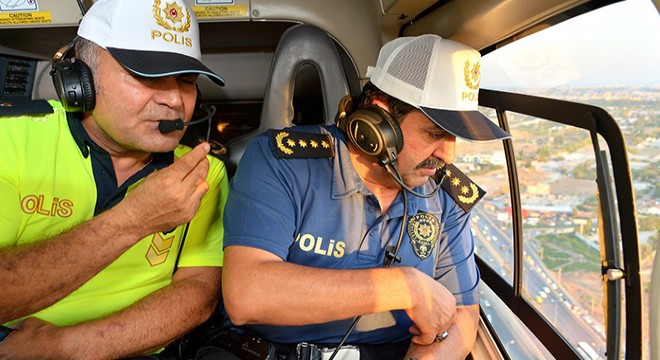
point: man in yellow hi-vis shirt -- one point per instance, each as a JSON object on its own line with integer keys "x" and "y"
{"x": 111, "y": 232}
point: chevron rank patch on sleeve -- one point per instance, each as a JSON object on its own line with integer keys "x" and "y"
{"x": 463, "y": 190}
{"x": 291, "y": 144}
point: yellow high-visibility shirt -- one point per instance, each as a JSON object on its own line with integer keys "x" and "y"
{"x": 48, "y": 184}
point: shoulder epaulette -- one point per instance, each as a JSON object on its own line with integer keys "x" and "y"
{"x": 25, "y": 107}
{"x": 296, "y": 145}
{"x": 218, "y": 150}
{"x": 463, "y": 190}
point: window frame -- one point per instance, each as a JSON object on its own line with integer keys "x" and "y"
{"x": 615, "y": 207}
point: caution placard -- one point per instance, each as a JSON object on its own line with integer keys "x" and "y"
{"x": 20, "y": 18}
{"x": 228, "y": 11}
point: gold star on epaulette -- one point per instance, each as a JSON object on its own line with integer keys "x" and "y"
{"x": 467, "y": 195}
{"x": 292, "y": 144}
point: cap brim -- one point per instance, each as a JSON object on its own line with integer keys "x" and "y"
{"x": 160, "y": 63}
{"x": 467, "y": 125}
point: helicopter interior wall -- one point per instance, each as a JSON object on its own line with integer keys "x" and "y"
{"x": 242, "y": 50}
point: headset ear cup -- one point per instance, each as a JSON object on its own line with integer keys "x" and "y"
{"x": 74, "y": 85}
{"x": 87, "y": 84}
{"x": 56, "y": 71}
{"x": 344, "y": 109}
{"x": 393, "y": 124}
{"x": 375, "y": 132}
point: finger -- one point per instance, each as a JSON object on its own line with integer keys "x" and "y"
{"x": 191, "y": 160}
{"x": 423, "y": 339}
{"x": 420, "y": 338}
{"x": 197, "y": 175}
{"x": 198, "y": 172}
{"x": 201, "y": 188}
{"x": 413, "y": 329}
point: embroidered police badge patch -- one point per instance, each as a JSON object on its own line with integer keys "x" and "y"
{"x": 423, "y": 230}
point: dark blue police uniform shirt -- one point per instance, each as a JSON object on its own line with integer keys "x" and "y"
{"x": 318, "y": 212}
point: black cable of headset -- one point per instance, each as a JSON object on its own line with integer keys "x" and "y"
{"x": 391, "y": 258}
{"x": 397, "y": 178}
{"x": 211, "y": 112}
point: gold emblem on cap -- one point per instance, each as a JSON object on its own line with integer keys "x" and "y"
{"x": 174, "y": 13}
{"x": 471, "y": 75}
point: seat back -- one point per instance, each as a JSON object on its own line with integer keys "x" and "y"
{"x": 300, "y": 45}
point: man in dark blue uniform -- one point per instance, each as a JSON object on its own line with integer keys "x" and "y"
{"x": 318, "y": 230}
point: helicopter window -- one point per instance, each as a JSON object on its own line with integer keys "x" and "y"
{"x": 562, "y": 168}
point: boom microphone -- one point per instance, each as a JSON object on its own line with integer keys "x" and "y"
{"x": 168, "y": 126}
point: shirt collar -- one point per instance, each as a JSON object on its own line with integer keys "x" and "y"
{"x": 74, "y": 120}
{"x": 346, "y": 180}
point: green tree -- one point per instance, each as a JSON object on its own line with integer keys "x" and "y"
{"x": 585, "y": 170}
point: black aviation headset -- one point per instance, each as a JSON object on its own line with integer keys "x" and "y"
{"x": 375, "y": 132}
{"x": 371, "y": 129}
{"x": 73, "y": 80}
{"x": 74, "y": 85}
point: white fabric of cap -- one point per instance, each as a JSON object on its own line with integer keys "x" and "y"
{"x": 121, "y": 24}
{"x": 429, "y": 71}
{"x": 441, "y": 78}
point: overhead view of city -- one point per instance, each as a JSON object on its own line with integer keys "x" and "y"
{"x": 559, "y": 200}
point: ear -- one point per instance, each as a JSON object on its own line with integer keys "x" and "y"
{"x": 381, "y": 104}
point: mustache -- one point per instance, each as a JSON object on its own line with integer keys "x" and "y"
{"x": 431, "y": 163}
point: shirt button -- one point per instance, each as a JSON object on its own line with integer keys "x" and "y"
{"x": 371, "y": 233}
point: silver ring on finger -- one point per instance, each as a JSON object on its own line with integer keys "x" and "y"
{"x": 443, "y": 335}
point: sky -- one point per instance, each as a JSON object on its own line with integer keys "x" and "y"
{"x": 615, "y": 45}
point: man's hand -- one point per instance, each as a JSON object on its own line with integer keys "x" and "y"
{"x": 433, "y": 310}
{"x": 33, "y": 339}
{"x": 458, "y": 344}
{"x": 171, "y": 196}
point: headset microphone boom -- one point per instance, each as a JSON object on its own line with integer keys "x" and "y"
{"x": 168, "y": 126}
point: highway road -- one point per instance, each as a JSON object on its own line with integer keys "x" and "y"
{"x": 540, "y": 288}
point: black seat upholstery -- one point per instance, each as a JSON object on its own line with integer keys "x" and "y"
{"x": 300, "y": 45}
